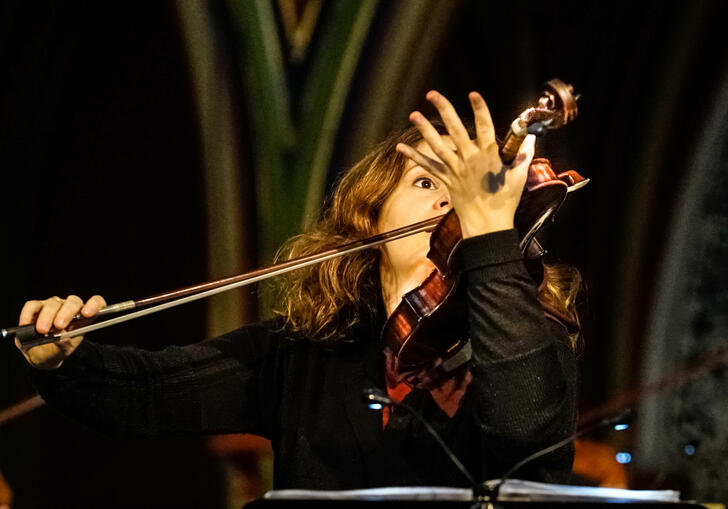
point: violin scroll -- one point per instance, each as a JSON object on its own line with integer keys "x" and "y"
{"x": 559, "y": 97}
{"x": 555, "y": 108}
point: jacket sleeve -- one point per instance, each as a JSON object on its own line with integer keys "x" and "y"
{"x": 228, "y": 384}
{"x": 524, "y": 373}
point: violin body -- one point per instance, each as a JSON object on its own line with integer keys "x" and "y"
{"x": 421, "y": 327}
{"x": 543, "y": 194}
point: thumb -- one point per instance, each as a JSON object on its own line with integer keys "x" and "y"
{"x": 519, "y": 168}
{"x": 525, "y": 152}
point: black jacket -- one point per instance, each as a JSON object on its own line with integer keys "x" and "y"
{"x": 307, "y": 399}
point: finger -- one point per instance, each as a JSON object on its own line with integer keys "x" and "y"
{"x": 434, "y": 140}
{"x": 483, "y": 122}
{"x": 47, "y": 314}
{"x": 435, "y": 167}
{"x": 29, "y": 312}
{"x": 67, "y": 311}
{"x": 93, "y": 305}
{"x": 452, "y": 121}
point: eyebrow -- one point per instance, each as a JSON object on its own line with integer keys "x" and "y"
{"x": 415, "y": 166}
{"x": 418, "y": 167}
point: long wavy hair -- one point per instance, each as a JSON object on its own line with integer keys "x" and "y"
{"x": 323, "y": 301}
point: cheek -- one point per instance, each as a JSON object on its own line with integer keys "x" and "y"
{"x": 386, "y": 215}
{"x": 408, "y": 249}
{"x": 395, "y": 214}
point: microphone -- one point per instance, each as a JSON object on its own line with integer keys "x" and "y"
{"x": 376, "y": 399}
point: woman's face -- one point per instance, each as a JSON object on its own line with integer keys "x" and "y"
{"x": 417, "y": 196}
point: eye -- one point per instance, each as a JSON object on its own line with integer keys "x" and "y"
{"x": 425, "y": 183}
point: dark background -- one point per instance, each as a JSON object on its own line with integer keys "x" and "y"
{"x": 101, "y": 178}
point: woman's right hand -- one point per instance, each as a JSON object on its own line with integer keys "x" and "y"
{"x": 57, "y": 313}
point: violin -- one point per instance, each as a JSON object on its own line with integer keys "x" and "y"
{"x": 543, "y": 194}
{"x": 428, "y": 323}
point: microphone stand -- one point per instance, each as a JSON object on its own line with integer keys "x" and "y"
{"x": 484, "y": 496}
{"x": 620, "y": 417}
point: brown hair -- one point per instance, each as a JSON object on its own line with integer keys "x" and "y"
{"x": 322, "y": 301}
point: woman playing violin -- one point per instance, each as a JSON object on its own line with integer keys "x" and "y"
{"x": 298, "y": 380}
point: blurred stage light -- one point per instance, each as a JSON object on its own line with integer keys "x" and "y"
{"x": 624, "y": 457}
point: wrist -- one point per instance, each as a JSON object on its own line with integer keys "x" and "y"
{"x": 39, "y": 358}
{"x": 47, "y": 364}
{"x": 482, "y": 224}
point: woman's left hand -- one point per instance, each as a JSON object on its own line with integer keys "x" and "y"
{"x": 484, "y": 192}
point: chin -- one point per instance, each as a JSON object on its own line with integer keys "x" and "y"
{"x": 424, "y": 267}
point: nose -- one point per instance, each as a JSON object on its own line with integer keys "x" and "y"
{"x": 443, "y": 201}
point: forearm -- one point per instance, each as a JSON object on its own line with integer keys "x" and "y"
{"x": 523, "y": 367}
{"x": 504, "y": 314}
{"x": 180, "y": 390}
